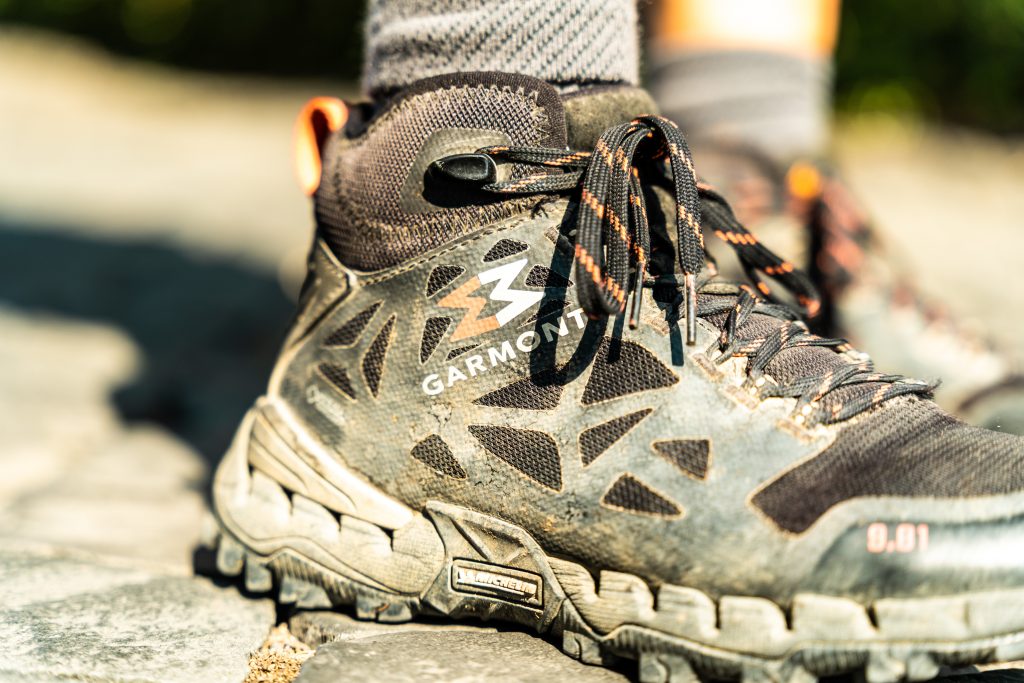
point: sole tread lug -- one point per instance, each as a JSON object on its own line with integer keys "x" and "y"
{"x": 288, "y": 590}
{"x": 799, "y": 674}
{"x": 660, "y": 667}
{"x": 582, "y": 647}
{"x": 314, "y": 597}
{"x": 258, "y": 577}
{"x": 921, "y": 667}
{"x": 230, "y": 556}
{"x": 1010, "y": 652}
{"x": 396, "y": 613}
{"x": 384, "y": 609}
{"x": 884, "y": 667}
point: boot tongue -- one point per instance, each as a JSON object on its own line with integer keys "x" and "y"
{"x": 591, "y": 111}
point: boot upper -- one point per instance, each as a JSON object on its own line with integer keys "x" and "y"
{"x": 440, "y": 353}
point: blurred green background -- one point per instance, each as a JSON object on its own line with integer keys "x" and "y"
{"x": 957, "y": 61}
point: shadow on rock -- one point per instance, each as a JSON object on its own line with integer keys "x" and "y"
{"x": 208, "y": 327}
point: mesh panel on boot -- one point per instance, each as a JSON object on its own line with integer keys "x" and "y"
{"x": 503, "y": 249}
{"x": 373, "y": 361}
{"x": 442, "y": 276}
{"x": 793, "y": 363}
{"x": 535, "y": 454}
{"x": 598, "y": 439}
{"x": 692, "y": 456}
{"x": 539, "y": 276}
{"x": 338, "y": 376}
{"x": 629, "y": 494}
{"x": 435, "y": 453}
{"x": 624, "y": 367}
{"x": 359, "y": 204}
{"x": 455, "y": 353}
{"x": 910, "y": 448}
{"x": 433, "y": 330}
{"x": 349, "y": 332}
{"x": 541, "y": 391}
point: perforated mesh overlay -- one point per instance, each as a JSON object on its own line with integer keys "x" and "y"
{"x": 338, "y": 376}
{"x": 630, "y": 494}
{"x": 435, "y": 453}
{"x": 373, "y": 361}
{"x": 503, "y": 249}
{"x": 909, "y": 448}
{"x": 596, "y": 440}
{"x": 433, "y": 330}
{"x": 541, "y": 276}
{"x": 441, "y": 276}
{"x": 537, "y": 392}
{"x": 624, "y": 367}
{"x": 455, "y": 353}
{"x": 535, "y": 454}
{"x": 692, "y": 456}
{"x": 349, "y": 332}
{"x": 359, "y": 205}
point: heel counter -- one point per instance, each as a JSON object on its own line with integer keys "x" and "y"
{"x": 327, "y": 284}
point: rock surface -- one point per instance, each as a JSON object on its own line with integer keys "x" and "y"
{"x": 414, "y": 652}
{"x": 74, "y": 473}
{"x": 65, "y": 615}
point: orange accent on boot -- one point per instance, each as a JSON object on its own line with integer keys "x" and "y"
{"x": 803, "y": 181}
{"x": 320, "y": 117}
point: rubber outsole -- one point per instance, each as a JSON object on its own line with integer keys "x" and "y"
{"x": 455, "y": 562}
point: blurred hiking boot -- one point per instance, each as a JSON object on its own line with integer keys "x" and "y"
{"x": 868, "y": 295}
{"x": 513, "y": 391}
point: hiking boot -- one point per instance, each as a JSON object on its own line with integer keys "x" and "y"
{"x": 868, "y": 296}
{"x": 514, "y": 391}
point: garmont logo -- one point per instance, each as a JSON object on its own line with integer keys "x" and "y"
{"x": 518, "y": 300}
{"x": 503, "y": 352}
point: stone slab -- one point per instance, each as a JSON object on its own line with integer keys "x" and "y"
{"x": 350, "y": 649}
{"x": 465, "y": 656}
{"x": 70, "y": 616}
{"x": 75, "y": 473}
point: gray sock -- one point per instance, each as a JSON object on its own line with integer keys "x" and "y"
{"x": 564, "y": 42}
{"x": 777, "y": 103}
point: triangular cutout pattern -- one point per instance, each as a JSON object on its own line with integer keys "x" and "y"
{"x": 349, "y": 332}
{"x": 692, "y": 456}
{"x": 597, "y": 440}
{"x": 630, "y": 494}
{"x": 503, "y": 249}
{"x": 537, "y": 392}
{"x": 373, "y": 361}
{"x": 535, "y": 454}
{"x": 433, "y": 330}
{"x": 435, "y": 453}
{"x": 442, "y": 276}
{"x": 622, "y": 368}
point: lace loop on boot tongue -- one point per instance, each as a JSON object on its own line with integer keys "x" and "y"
{"x": 613, "y": 244}
{"x": 613, "y": 232}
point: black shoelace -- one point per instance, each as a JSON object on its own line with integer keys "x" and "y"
{"x": 612, "y": 255}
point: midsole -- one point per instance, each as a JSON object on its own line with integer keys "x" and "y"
{"x": 463, "y": 562}
{"x": 280, "y": 447}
